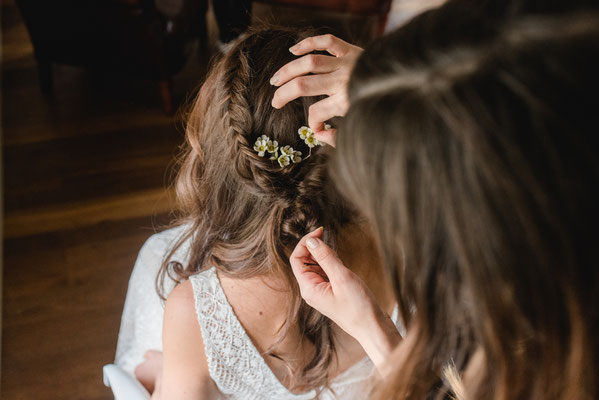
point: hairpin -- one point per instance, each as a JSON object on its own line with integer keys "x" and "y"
{"x": 288, "y": 155}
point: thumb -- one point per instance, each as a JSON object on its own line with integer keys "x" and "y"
{"x": 325, "y": 257}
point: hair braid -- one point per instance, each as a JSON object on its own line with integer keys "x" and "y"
{"x": 298, "y": 206}
{"x": 246, "y": 212}
{"x": 250, "y": 167}
{"x": 304, "y": 214}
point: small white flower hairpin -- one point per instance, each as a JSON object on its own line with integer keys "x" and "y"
{"x": 260, "y": 145}
{"x": 288, "y": 155}
{"x": 307, "y": 135}
{"x": 273, "y": 148}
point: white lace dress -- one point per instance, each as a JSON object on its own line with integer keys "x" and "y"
{"x": 235, "y": 365}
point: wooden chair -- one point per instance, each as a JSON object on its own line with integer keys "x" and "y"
{"x": 130, "y": 36}
{"x": 380, "y": 8}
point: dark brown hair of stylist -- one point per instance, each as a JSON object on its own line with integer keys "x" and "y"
{"x": 474, "y": 151}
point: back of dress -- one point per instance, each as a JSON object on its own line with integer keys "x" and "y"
{"x": 236, "y": 365}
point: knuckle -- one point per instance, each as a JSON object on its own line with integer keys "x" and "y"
{"x": 343, "y": 278}
{"x": 311, "y": 61}
{"x": 301, "y": 84}
{"x": 343, "y": 102}
{"x": 344, "y": 73}
{"x": 316, "y": 117}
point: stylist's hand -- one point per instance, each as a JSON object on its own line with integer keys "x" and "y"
{"x": 328, "y": 76}
{"x": 328, "y": 286}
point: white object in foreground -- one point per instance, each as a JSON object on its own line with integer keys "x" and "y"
{"x": 123, "y": 385}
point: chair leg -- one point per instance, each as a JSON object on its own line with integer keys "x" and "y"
{"x": 166, "y": 93}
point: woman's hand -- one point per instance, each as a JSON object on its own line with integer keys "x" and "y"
{"x": 328, "y": 286}
{"x": 335, "y": 291}
{"x": 149, "y": 372}
{"x": 328, "y": 76}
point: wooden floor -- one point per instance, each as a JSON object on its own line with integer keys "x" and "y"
{"x": 85, "y": 178}
{"x": 84, "y": 186}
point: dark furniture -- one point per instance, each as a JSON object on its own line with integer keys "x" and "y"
{"x": 129, "y": 36}
{"x": 380, "y": 8}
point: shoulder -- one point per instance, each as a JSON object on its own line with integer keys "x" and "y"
{"x": 180, "y": 326}
{"x": 180, "y": 305}
{"x": 185, "y": 365}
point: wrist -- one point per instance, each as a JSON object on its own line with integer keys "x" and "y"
{"x": 378, "y": 337}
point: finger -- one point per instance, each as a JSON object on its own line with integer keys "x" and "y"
{"x": 325, "y": 257}
{"x": 323, "y": 110}
{"x": 311, "y": 63}
{"x": 327, "y": 136}
{"x": 315, "y": 268}
{"x": 301, "y": 256}
{"x": 329, "y": 43}
{"x": 310, "y": 85}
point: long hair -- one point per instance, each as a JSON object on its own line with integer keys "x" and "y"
{"x": 245, "y": 213}
{"x": 473, "y": 148}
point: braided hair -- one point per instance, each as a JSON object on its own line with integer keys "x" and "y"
{"x": 245, "y": 213}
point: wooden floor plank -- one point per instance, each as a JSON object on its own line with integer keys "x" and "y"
{"x": 85, "y": 178}
{"x": 74, "y": 215}
{"x": 62, "y": 308}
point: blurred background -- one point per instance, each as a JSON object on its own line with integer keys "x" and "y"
{"x": 93, "y": 101}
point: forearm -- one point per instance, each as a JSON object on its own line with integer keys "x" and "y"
{"x": 378, "y": 337}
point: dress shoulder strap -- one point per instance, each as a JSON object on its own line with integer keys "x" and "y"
{"x": 235, "y": 365}
{"x": 222, "y": 341}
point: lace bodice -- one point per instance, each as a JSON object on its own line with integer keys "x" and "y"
{"x": 235, "y": 364}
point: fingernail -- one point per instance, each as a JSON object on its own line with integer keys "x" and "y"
{"x": 294, "y": 48}
{"x": 275, "y": 79}
{"x": 312, "y": 243}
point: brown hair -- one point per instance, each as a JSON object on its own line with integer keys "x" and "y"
{"x": 245, "y": 213}
{"x": 473, "y": 148}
